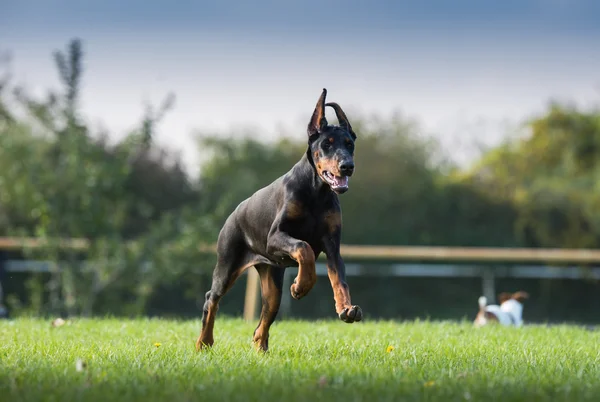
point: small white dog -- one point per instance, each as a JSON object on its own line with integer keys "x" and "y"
{"x": 508, "y": 313}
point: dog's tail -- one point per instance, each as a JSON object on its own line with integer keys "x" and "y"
{"x": 482, "y": 303}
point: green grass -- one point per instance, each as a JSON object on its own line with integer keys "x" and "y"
{"x": 308, "y": 361}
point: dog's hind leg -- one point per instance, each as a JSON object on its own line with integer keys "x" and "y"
{"x": 271, "y": 285}
{"x": 233, "y": 259}
{"x": 223, "y": 279}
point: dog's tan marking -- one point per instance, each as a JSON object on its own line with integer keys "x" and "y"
{"x": 293, "y": 209}
{"x": 271, "y": 299}
{"x": 307, "y": 275}
{"x": 333, "y": 220}
{"x": 206, "y": 337}
{"x": 328, "y": 164}
{"x": 504, "y": 296}
{"x": 341, "y": 293}
{"x": 520, "y": 296}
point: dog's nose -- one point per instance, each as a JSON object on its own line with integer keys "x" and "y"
{"x": 347, "y": 168}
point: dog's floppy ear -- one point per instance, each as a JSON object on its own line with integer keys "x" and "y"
{"x": 504, "y": 296}
{"x": 342, "y": 119}
{"x": 318, "y": 122}
{"x": 520, "y": 296}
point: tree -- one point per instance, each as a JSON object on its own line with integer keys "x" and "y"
{"x": 62, "y": 181}
{"x": 551, "y": 175}
{"x": 400, "y": 194}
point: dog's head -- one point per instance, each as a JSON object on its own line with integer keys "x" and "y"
{"x": 519, "y": 296}
{"x": 331, "y": 148}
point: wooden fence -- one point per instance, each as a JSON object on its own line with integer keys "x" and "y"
{"x": 486, "y": 258}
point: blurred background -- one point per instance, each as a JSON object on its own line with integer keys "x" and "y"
{"x": 137, "y": 127}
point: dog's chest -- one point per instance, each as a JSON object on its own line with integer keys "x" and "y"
{"x": 308, "y": 227}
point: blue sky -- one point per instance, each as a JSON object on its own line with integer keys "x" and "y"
{"x": 462, "y": 68}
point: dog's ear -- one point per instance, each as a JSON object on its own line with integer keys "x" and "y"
{"x": 342, "y": 119}
{"x": 318, "y": 122}
{"x": 504, "y": 296}
{"x": 520, "y": 296}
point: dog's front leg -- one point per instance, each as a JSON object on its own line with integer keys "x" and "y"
{"x": 341, "y": 292}
{"x": 280, "y": 244}
{"x": 336, "y": 270}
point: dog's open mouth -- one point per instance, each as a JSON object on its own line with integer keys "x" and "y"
{"x": 337, "y": 183}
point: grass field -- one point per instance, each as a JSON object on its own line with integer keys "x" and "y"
{"x": 151, "y": 360}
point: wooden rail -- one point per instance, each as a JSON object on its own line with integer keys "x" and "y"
{"x": 396, "y": 253}
{"x": 388, "y": 253}
{"x": 467, "y": 254}
{"x": 18, "y": 243}
{"x": 445, "y": 254}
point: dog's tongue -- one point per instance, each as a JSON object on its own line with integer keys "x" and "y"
{"x": 341, "y": 181}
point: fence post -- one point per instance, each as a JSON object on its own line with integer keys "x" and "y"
{"x": 252, "y": 294}
{"x": 488, "y": 282}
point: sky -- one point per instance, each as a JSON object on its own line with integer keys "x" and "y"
{"x": 467, "y": 71}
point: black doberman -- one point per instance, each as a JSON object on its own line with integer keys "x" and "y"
{"x": 288, "y": 224}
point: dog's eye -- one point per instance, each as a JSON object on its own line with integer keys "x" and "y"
{"x": 326, "y": 146}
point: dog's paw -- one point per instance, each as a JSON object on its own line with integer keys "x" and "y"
{"x": 296, "y": 291}
{"x": 204, "y": 344}
{"x": 351, "y": 314}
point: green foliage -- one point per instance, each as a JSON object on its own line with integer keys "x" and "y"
{"x": 145, "y": 219}
{"x": 155, "y": 360}
{"x": 60, "y": 181}
{"x": 551, "y": 177}
{"x": 399, "y": 194}
{"x": 237, "y": 168}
